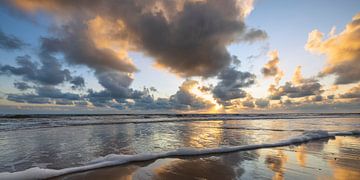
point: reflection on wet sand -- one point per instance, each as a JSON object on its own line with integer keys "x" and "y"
{"x": 276, "y": 163}
{"x": 202, "y": 168}
{"x": 346, "y": 162}
{"x": 324, "y": 159}
{"x": 301, "y": 155}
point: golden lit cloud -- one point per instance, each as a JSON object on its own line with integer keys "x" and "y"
{"x": 297, "y": 77}
{"x": 271, "y": 67}
{"x": 342, "y": 51}
{"x": 246, "y": 7}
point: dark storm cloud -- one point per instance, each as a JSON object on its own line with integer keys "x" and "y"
{"x": 105, "y": 98}
{"x": 77, "y": 82}
{"x": 28, "y": 98}
{"x": 117, "y": 93}
{"x": 148, "y": 103}
{"x": 183, "y": 99}
{"x": 298, "y": 87}
{"x": 248, "y": 103}
{"x": 262, "y": 103}
{"x": 10, "y": 42}
{"x": 117, "y": 83}
{"x": 317, "y": 98}
{"x": 99, "y": 99}
{"x": 187, "y": 37}
{"x": 253, "y": 35}
{"x": 22, "y": 86}
{"x": 44, "y": 95}
{"x": 52, "y": 92}
{"x": 331, "y": 97}
{"x": 231, "y": 82}
{"x": 287, "y": 102}
{"x": 296, "y": 91}
{"x": 64, "y": 102}
{"x": 194, "y": 43}
{"x": 49, "y": 73}
{"x": 78, "y": 49}
{"x": 153, "y": 89}
{"x": 117, "y": 89}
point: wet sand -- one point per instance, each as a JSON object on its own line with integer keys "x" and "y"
{"x": 337, "y": 158}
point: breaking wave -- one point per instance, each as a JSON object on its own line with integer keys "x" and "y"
{"x": 23, "y": 122}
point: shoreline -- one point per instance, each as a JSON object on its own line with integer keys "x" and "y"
{"x": 318, "y": 159}
{"x": 114, "y": 160}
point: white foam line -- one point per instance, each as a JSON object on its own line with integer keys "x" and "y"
{"x": 112, "y": 159}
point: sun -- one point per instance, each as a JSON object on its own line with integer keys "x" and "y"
{"x": 207, "y": 96}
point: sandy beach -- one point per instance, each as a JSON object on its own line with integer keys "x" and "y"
{"x": 277, "y": 146}
{"x": 337, "y": 158}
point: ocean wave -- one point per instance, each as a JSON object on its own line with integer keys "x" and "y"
{"x": 113, "y": 159}
{"x": 24, "y": 122}
{"x": 258, "y": 129}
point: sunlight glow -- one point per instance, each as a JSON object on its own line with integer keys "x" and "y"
{"x": 206, "y": 96}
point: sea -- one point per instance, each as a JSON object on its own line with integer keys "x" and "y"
{"x": 46, "y": 145}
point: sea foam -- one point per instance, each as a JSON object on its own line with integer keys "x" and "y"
{"x": 113, "y": 159}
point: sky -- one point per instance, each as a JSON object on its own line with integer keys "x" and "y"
{"x": 184, "y": 56}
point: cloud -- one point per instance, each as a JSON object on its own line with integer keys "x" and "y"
{"x": 230, "y": 84}
{"x": 49, "y": 73}
{"x": 248, "y": 103}
{"x": 342, "y": 51}
{"x": 297, "y": 88}
{"x": 262, "y": 103}
{"x": 99, "y": 99}
{"x": 78, "y": 48}
{"x": 297, "y": 77}
{"x": 52, "y": 92}
{"x": 319, "y": 106}
{"x": 330, "y": 97}
{"x": 295, "y": 91}
{"x": 28, "y": 98}
{"x": 119, "y": 100}
{"x": 187, "y": 37}
{"x": 44, "y": 95}
{"x": 117, "y": 83}
{"x": 262, "y": 51}
{"x": 246, "y": 7}
{"x": 10, "y": 42}
{"x": 352, "y": 93}
{"x": 271, "y": 67}
{"x": 153, "y": 89}
{"x": 185, "y": 99}
{"x": 77, "y": 82}
{"x": 317, "y": 98}
{"x": 252, "y": 35}
{"x": 22, "y": 86}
